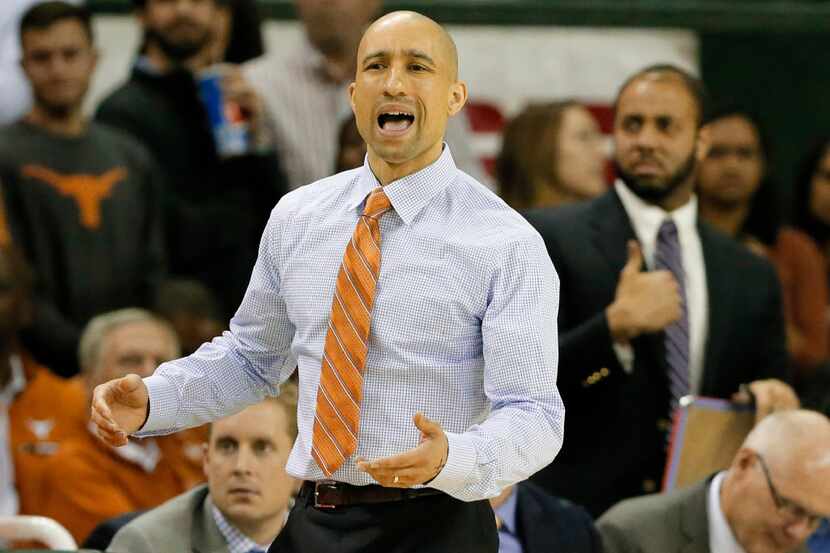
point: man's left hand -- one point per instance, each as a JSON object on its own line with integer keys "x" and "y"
{"x": 416, "y": 466}
{"x": 770, "y": 395}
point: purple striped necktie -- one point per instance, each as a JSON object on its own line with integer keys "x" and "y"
{"x": 669, "y": 257}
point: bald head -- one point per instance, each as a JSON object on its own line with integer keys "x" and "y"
{"x": 443, "y": 44}
{"x": 793, "y": 436}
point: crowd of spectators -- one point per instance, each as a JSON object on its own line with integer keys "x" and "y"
{"x": 127, "y": 239}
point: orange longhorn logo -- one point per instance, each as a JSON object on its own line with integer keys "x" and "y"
{"x": 86, "y": 190}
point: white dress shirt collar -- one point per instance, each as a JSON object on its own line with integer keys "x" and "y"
{"x": 721, "y": 538}
{"x": 646, "y": 219}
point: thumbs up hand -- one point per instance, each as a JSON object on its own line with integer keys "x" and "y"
{"x": 645, "y": 302}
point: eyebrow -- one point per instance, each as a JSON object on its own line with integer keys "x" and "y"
{"x": 412, "y": 53}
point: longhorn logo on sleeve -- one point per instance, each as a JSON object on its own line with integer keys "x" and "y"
{"x": 86, "y": 190}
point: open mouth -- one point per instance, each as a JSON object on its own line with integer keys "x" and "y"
{"x": 395, "y": 122}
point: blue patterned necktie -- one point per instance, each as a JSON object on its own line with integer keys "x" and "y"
{"x": 669, "y": 257}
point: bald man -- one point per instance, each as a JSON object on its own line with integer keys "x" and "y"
{"x": 774, "y": 495}
{"x": 420, "y": 311}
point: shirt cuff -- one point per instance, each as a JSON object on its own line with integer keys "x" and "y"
{"x": 164, "y": 407}
{"x": 461, "y": 460}
{"x": 625, "y": 355}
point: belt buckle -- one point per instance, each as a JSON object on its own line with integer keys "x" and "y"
{"x": 324, "y": 486}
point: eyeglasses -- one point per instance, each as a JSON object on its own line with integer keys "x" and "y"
{"x": 788, "y": 508}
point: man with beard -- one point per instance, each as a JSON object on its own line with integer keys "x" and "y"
{"x": 215, "y": 205}
{"x": 79, "y": 196}
{"x": 657, "y": 305}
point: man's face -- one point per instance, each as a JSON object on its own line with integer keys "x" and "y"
{"x": 655, "y": 136}
{"x": 732, "y": 171}
{"x": 405, "y": 90}
{"x": 757, "y": 522}
{"x": 245, "y": 465}
{"x": 58, "y": 61}
{"x": 180, "y": 28}
{"x": 137, "y": 348}
{"x": 332, "y": 25}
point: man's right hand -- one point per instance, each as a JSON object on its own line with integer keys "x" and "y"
{"x": 645, "y": 302}
{"x": 119, "y": 408}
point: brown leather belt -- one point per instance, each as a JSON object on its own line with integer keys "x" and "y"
{"x": 329, "y": 494}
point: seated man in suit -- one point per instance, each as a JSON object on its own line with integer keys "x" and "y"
{"x": 245, "y": 503}
{"x": 87, "y": 481}
{"x": 705, "y": 318}
{"x": 531, "y": 521}
{"x": 774, "y": 495}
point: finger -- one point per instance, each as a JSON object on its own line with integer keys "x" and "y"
{"x": 764, "y": 404}
{"x": 635, "y": 258}
{"x": 129, "y": 384}
{"x": 429, "y": 428}
{"x": 115, "y": 439}
{"x": 400, "y": 461}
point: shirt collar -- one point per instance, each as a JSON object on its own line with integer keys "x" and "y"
{"x": 646, "y": 218}
{"x": 507, "y": 513}
{"x": 16, "y": 383}
{"x": 144, "y": 453}
{"x": 236, "y": 540}
{"x": 410, "y": 194}
{"x": 721, "y": 538}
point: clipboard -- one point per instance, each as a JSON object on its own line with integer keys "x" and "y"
{"x": 706, "y": 433}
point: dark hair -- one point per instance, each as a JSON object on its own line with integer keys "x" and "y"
{"x": 766, "y": 215}
{"x": 177, "y": 296}
{"x": 529, "y": 152}
{"x": 42, "y": 16}
{"x": 245, "y": 35}
{"x": 692, "y": 84}
{"x": 804, "y": 218}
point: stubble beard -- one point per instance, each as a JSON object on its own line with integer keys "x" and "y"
{"x": 655, "y": 191}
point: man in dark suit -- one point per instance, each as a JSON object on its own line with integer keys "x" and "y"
{"x": 655, "y": 305}
{"x": 532, "y": 521}
{"x": 771, "y": 499}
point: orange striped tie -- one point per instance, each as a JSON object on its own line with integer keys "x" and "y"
{"x": 337, "y": 418}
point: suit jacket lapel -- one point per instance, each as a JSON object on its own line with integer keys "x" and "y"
{"x": 695, "y": 519}
{"x": 719, "y": 284}
{"x": 205, "y": 536}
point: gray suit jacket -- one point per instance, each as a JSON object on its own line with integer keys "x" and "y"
{"x": 183, "y": 524}
{"x": 675, "y": 522}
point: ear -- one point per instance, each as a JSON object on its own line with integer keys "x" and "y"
{"x": 458, "y": 97}
{"x": 205, "y": 459}
{"x": 351, "y": 97}
{"x": 704, "y": 142}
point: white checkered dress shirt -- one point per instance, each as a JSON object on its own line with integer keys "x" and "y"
{"x": 463, "y": 329}
{"x": 236, "y": 540}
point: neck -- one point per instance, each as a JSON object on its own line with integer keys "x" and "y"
{"x": 262, "y": 532}
{"x": 163, "y": 63}
{"x": 726, "y": 218}
{"x": 678, "y": 198}
{"x": 387, "y": 172}
{"x": 73, "y": 124}
{"x": 550, "y": 195}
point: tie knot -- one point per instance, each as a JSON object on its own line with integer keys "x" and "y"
{"x": 377, "y": 204}
{"x": 668, "y": 231}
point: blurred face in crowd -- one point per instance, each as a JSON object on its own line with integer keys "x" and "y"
{"x": 180, "y": 28}
{"x": 194, "y": 330}
{"x": 335, "y": 25}
{"x": 58, "y": 61}
{"x": 776, "y": 513}
{"x": 137, "y": 347}
{"x": 405, "y": 89}
{"x": 656, "y": 136}
{"x": 731, "y": 172}
{"x": 820, "y": 189}
{"x": 245, "y": 467}
{"x": 580, "y": 162}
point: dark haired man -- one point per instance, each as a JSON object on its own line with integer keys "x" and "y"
{"x": 704, "y": 318}
{"x": 79, "y": 196}
{"x": 216, "y": 202}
